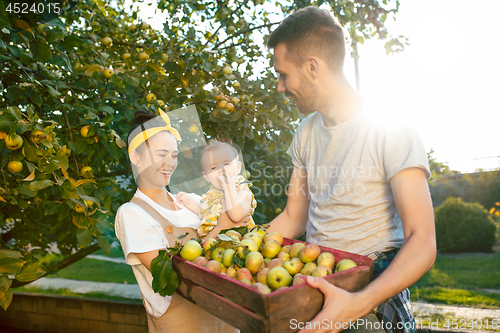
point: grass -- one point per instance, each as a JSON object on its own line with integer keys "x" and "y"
{"x": 456, "y": 279}
{"x": 67, "y": 292}
{"x": 115, "y": 252}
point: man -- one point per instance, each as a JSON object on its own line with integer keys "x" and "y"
{"x": 356, "y": 185}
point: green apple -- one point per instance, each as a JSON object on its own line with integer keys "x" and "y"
{"x": 253, "y": 262}
{"x": 13, "y": 141}
{"x": 217, "y": 254}
{"x": 15, "y": 166}
{"x": 231, "y": 29}
{"x": 275, "y": 263}
{"x": 344, "y": 264}
{"x": 227, "y": 70}
{"x": 326, "y": 259}
{"x": 255, "y": 237}
{"x": 271, "y": 248}
{"x": 321, "y": 271}
{"x": 274, "y": 235}
{"x": 107, "y": 41}
{"x": 295, "y": 248}
{"x": 293, "y": 266}
{"x": 214, "y": 266}
{"x": 227, "y": 257}
{"x": 252, "y": 246}
{"x": 278, "y": 277}
{"x": 246, "y": 281}
{"x": 308, "y": 268}
{"x": 126, "y": 56}
{"x": 261, "y": 288}
{"x": 191, "y": 250}
{"x": 243, "y": 273}
{"x": 200, "y": 261}
{"x": 309, "y": 253}
{"x": 261, "y": 275}
{"x": 208, "y": 243}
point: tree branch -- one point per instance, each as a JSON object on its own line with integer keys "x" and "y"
{"x": 243, "y": 32}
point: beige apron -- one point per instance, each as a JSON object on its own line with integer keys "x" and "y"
{"x": 182, "y": 316}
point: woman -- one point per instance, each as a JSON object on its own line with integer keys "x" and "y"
{"x": 153, "y": 220}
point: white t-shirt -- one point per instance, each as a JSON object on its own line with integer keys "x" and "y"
{"x": 349, "y": 167}
{"x": 138, "y": 232}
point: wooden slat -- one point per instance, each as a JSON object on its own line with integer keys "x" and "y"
{"x": 233, "y": 314}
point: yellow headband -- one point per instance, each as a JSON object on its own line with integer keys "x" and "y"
{"x": 139, "y": 139}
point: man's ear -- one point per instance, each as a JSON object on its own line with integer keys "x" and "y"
{"x": 313, "y": 67}
{"x": 134, "y": 157}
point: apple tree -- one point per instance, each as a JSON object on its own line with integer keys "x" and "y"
{"x": 71, "y": 82}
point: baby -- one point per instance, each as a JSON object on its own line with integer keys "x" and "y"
{"x": 221, "y": 167}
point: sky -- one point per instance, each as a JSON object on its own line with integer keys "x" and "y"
{"x": 445, "y": 83}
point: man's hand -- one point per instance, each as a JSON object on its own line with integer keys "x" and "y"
{"x": 225, "y": 222}
{"x": 340, "y": 307}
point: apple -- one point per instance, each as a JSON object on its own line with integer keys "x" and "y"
{"x": 246, "y": 174}
{"x": 164, "y": 57}
{"x": 193, "y": 129}
{"x": 255, "y": 237}
{"x": 275, "y": 263}
{"x": 252, "y": 246}
{"x": 150, "y": 97}
{"x": 261, "y": 288}
{"x": 37, "y": 135}
{"x": 235, "y": 101}
{"x": 144, "y": 25}
{"x": 133, "y": 27}
{"x": 160, "y": 103}
{"x": 13, "y": 141}
{"x": 326, "y": 259}
{"x": 309, "y": 253}
{"x": 88, "y": 203}
{"x": 293, "y": 266}
{"x": 283, "y": 256}
{"x": 321, "y": 271}
{"x": 86, "y": 171}
{"x": 261, "y": 275}
{"x": 65, "y": 150}
{"x": 236, "y": 84}
{"x": 15, "y": 166}
{"x": 108, "y": 72}
{"x": 274, "y": 235}
{"x": 208, "y": 243}
{"x": 217, "y": 254}
{"x": 278, "y": 277}
{"x": 231, "y": 271}
{"x": 344, "y": 264}
{"x": 222, "y": 104}
{"x": 107, "y": 41}
{"x": 79, "y": 209}
{"x": 219, "y": 98}
{"x": 271, "y": 248}
{"x": 214, "y": 266}
{"x": 308, "y": 268}
{"x": 278, "y": 210}
{"x": 143, "y": 56}
{"x": 227, "y": 257}
{"x": 84, "y": 131}
{"x": 230, "y": 107}
{"x": 232, "y": 233}
{"x": 253, "y": 262}
{"x": 126, "y": 56}
{"x": 246, "y": 281}
{"x": 295, "y": 248}
{"x": 231, "y": 29}
{"x": 244, "y": 273}
{"x": 200, "y": 261}
{"x": 227, "y": 70}
{"x": 223, "y": 269}
{"x": 37, "y": 200}
{"x": 299, "y": 278}
{"x": 286, "y": 249}
{"x": 191, "y": 250}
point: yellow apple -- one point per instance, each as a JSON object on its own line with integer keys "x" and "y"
{"x": 236, "y": 84}
{"x": 230, "y": 107}
{"x": 222, "y": 104}
{"x": 231, "y": 29}
{"x": 13, "y": 141}
{"x": 108, "y": 72}
{"x": 191, "y": 250}
{"x": 79, "y": 209}
{"x": 278, "y": 277}
{"x": 84, "y": 131}
{"x": 208, "y": 243}
{"x": 278, "y": 210}
{"x": 143, "y": 56}
{"x": 126, "y": 56}
{"x": 133, "y": 27}
{"x": 15, "y": 166}
{"x": 37, "y": 135}
{"x": 235, "y": 100}
{"x": 144, "y": 25}
{"x": 86, "y": 171}
{"x": 164, "y": 57}
{"x": 227, "y": 70}
{"x": 160, "y": 103}
{"x": 344, "y": 264}
{"x": 193, "y": 129}
{"x": 66, "y": 151}
{"x": 150, "y": 97}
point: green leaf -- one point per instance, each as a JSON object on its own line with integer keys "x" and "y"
{"x": 34, "y": 96}
{"x": 173, "y": 282}
{"x": 10, "y": 261}
{"x": 44, "y": 49}
{"x": 223, "y": 237}
{"x": 5, "y": 297}
{"x": 62, "y": 158}
{"x": 84, "y": 238}
{"x": 134, "y": 82}
{"x": 71, "y": 41}
{"x": 68, "y": 191}
{"x": 40, "y": 185}
{"x": 159, "y": 284}
{"x": 106, "y": 109}
{"x": 30, "y": 271}
{"x": 5, "y": 282}
{"x": 8, "y": 122}
{"x": 104, "y": 244}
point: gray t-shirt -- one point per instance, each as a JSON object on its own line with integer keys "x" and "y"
{"x": 348, "y": 170}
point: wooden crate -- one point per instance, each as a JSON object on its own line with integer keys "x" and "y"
{"x": 251, "y": 312}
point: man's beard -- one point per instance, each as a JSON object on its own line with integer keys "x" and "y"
{"x": 308, "y": 100}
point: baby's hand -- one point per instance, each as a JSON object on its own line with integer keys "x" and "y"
{"x": 183, "y": 198}
{"x": 227, "y": 180}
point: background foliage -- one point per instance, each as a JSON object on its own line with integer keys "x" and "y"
{"x": 54, "y": 83}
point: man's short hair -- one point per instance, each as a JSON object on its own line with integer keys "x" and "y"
{"x": 311, "y": 31}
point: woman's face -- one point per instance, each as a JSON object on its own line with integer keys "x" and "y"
{"x": 156, "y": 164}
